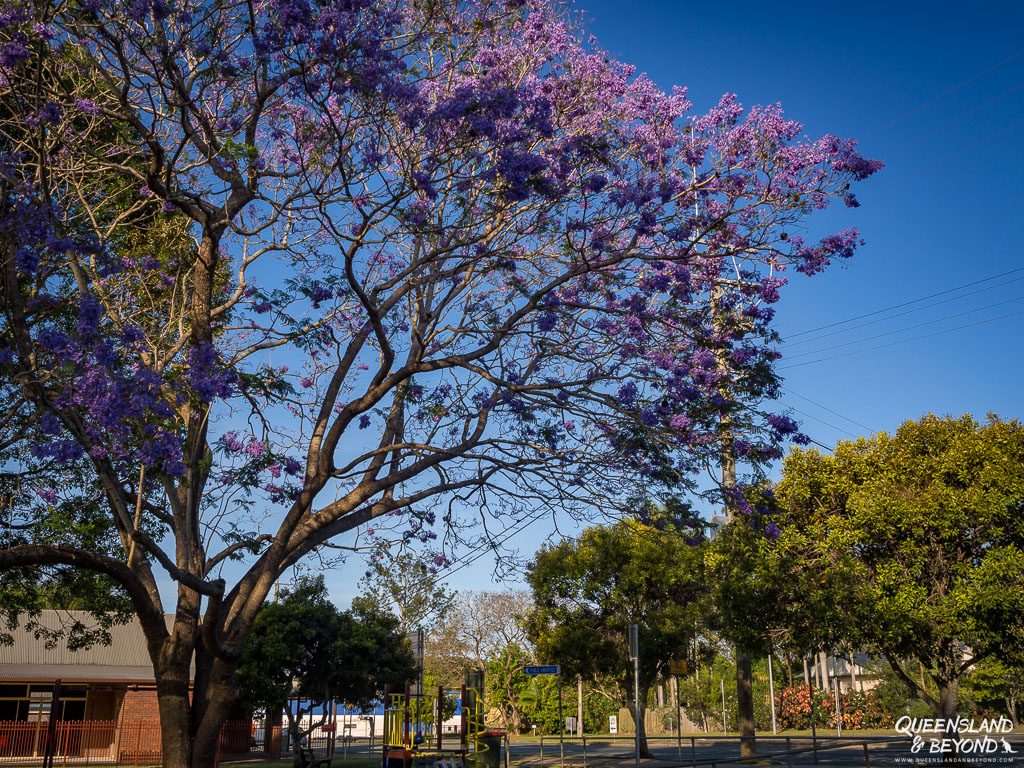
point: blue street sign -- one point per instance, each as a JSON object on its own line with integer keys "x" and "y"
{"x": 550, "y": 669}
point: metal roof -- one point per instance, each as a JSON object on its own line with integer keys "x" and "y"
{"x": 28, "y": 658}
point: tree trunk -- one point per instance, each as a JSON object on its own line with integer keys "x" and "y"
{"x": 175, "y": 723}
{"x": 745, "y": 703}
{"x": 948, "y": 698}
{"x": 294, "y": 736}
{"x": 949, "y": 693}
{"x": 190, "y": 738}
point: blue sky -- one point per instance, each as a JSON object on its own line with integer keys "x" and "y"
{"x": 852, "y": 70}
{"x": 945, "y": 212}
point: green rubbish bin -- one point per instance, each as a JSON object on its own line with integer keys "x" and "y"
{"x": 490, "y": 749}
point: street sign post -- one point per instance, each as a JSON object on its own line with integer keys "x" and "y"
{"x": 549, "y": 669}
{"x": 634, "y": 654}
{"x": 553, "y": 669}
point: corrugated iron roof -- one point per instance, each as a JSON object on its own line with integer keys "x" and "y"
{"x": 126, "y": 658}
{"x": 127, "y": 647}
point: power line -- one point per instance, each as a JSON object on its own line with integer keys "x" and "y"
{"x": 956, "y": 119}
{"x": 936, "y": 130}
{"x": 826, "y": 408}
{"x": 904, "y": 341}
{"x": 906, "y": 312}
{"x": 927, "y": 168}
{"x": 907, "y": 328}
{"x": 937, "y": 163}
{"x": 820, "y": 421}
{"x": 944, "y": 94}
{"x": 906, "y": 303}
{"x": 491, "y": 544}
{"x": 822, "y": 445}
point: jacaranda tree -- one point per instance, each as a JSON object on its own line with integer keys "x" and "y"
{"x": 281, "y": 276}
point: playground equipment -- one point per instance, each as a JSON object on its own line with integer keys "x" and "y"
{"x": 440, "y": 729}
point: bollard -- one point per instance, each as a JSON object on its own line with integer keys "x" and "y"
{"x": 867, "y": 758}
{"x": 584, "y": 750}
{"x": 542, "y": 749}
{"x": 789, "y": 752}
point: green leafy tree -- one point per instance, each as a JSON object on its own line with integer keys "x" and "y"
{"x": 305, "y": 647}
{"x": 539, "y": 703}
{"x": 911, "y": 543}
{"x": 601, "y": 699}
{"x": 701, "y": 695}
{"x": 506, "y": 682}
{"x": 484, "y": 631}
{"x": 997, "y": 685}
{"x": 587, "y": 591}
{"x": 408, "y": 586}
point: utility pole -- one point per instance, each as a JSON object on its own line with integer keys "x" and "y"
{"x": 561, "y": 723}
{"x": 634, "y": 652}
{"x": 579, "y": 706}
{"x": 277, "y": 588}
{"x": 727, "y": 453}
{"x": 725, "y": 725}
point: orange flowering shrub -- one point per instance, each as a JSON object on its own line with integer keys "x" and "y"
{"x": 857, "y": 710}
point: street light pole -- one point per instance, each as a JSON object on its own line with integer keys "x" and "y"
{"x": 727, "y": 450}
{"x": 725, "y": 726}
{"x": 561, "y": 722}
{"x": 634, "y": 652}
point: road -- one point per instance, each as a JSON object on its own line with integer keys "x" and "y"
{"x": 709, "y": 751}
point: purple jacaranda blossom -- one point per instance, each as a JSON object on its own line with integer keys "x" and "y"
{"x": 255, "y": 448}
{"x": 232, "y": 443}
{"x": 47, "y": 494}
{"x": 87, "y": 106}
{"x": 546, "y": 322}
{"x": 525, "y": 225}
{"x": 209, "y": 377}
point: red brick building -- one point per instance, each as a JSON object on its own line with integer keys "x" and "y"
{"x": 105, "y": 705}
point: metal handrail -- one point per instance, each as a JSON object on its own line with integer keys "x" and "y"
{"x": 819, "y": 744}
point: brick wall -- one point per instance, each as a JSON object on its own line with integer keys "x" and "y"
{"x": 139, "y": 705}
{"x": 139, "y": 732}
